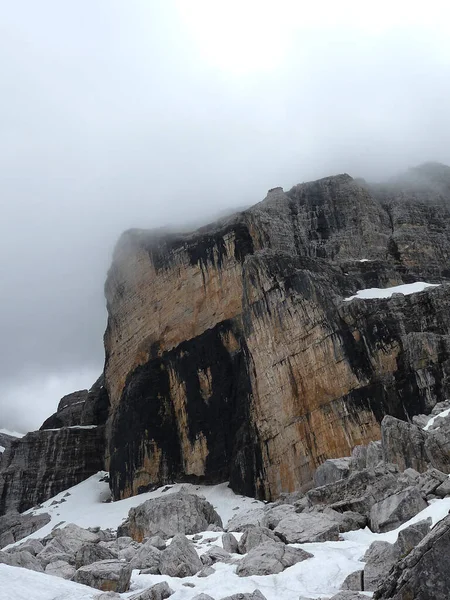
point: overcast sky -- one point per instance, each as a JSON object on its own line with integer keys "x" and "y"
{"x": 143, "y": 113}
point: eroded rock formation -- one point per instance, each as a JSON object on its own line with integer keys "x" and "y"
{"x": 232, "y": 354}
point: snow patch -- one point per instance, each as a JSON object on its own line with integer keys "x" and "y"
{"x": 2, "y": 449}
{"x": 444, "y": 413}
{"x": 406, "y": 290}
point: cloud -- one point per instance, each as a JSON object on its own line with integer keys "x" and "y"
{"x": 145, "y": 114}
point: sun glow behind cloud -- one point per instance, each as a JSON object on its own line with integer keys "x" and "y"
{"x": 244, "y": 36}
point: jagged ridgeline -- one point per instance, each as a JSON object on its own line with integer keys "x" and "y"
{"x": 232, "y": 354}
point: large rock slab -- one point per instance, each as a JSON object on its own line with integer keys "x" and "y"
{"x": 270, "y": 558}
{"x": 66, "y": 542}
{"x": 105, "y": 575}
{"x": 22, "y": 559}
{"x": 332, "y": 470}
{"x": 393, "y": 511}
{"x": 307, "y": 527}
{"x": 425, "y": 572}
{"x": 168, "y": 515}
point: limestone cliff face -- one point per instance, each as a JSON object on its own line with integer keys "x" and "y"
{"x": 231, "y": 353}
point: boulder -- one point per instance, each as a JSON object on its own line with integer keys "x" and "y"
{"x": 348, "y": 595}
{"x": 32, "y": 546}
{"x": 91, "y": 553}
{"x": 157, "y": 542}
{"x": 106, "y": 575}
{"x": 404, "y": 444}
{"x": 359, "y": 458}
{"x": 332, "y": 470}
{"x": 21, "y": 559}
{"x": 202, "y": 597}
{"x": 256, "y": 595}
{"x": 379, "y": 559}
{"x": 215, "y": 554}
{"x": 254, "y": 536}
{"x": 15, "y": 526}
{"x": 206, "y": 572}
{"x": 159, "y": 591}
{"x": 246, "y": 519}
{"x": 169, "y": 515}
{"x": 230, "y": 543}
{"x": 274, "y": 514}
{"x": 180, "y": 559}
{"x": 307, "y": 527}
{"x": 270, "y": 558}
{"x": 147, "y": 557}
{"x": 65, "y": 543}
{"x": 60, "y": 568}
{"x": 443, "y": 490}
{"x": 374, "y": 455}
{"x": 347, "y": 520}
{"x": 354, "y": 581}
{"x": 424, "y": 574}
{"x": 437, "y": 448}
{"x": 411, "y": 536}
{"x": 429, "y": 481}
{"x": 393, "y": 511}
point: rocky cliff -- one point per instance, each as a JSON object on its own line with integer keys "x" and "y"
{"x": 231, "y": 353}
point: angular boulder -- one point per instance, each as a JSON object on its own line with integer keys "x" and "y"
{"x": 147, "y": 557}
{"x": 60, "y": 568}
{"x": 307, "y": 527}
{"x": 332, "y": 470}
{"x": 168, "y": 516}
{"x": 180, "y": 559}
{"x": 159, "y": 591}
{"x": 15, "y": 526}
{"x": 21, "y": 559}
{"x": 270, "y": 558}
{"x": 393, "y": 511}
{"x": 105, "y": 575}
{"x": 255, "y": 536}
{"x": 90, "y": 553}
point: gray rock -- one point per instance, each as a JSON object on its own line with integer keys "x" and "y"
{"x": 379, "y": 559}
{"x": 106, "y": 575}
{"x": 307, "y": 527}
{"x": 206, "y": 572}
{"x": 429, "y": 481}
{"x": 147, "y": 557}
{"x": 359, "y": 458}
{"x": 90, "y": 553}
{"x": 443, "y": 490}
{"x": 127, "y": 553}
{"x": 230, "y": 543}
{"x": 66, "y": 541}
{"x": 437, "y": 448}
{"x": 157, "y": 541}
{"x": 404, "y": 444}
{"x": 424, "y": 574}
{"x": 214, "y": 527}
{"x": 202, "y": 597}
{"x": 108, "y": 596}
{"x": 254, "y": 536}
{"x": 420, "y": 420}
{"x": 247, "y": 518}
{"x": 180, "y": 558}
{"x": 32, "y": 546}
{"x": 354, "y": 581}
{"x": 393, "y": 511}
{"x": 60, "y": 568}
{"x": 347, "y": 520}
{"x": 169, "y": 515}
{"x": 159, "y": 591}
{"x": 411, "y": 536}
{"x": 440, "y": 407}
{"x": 348, "y": 595}
{"x": 124, "y": 541}
{"x": 274, "y": 514}
{"x": 256, "y": 595}
{"x": 332, "y": 470}
{"x": 14, "y": 526}
{"x": 215, "y": 554}
{"x": 374, "y": 455}
{"x": 270, "y": 558}
{"x": 21, "y": 559}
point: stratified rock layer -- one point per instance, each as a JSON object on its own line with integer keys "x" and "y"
{"x": 231, "y": 353}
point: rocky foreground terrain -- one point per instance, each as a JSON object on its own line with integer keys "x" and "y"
{"x": 298, "y": 351}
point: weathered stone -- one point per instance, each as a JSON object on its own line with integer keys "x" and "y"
{"x": 411, "y": 536}
{"x": 215, "y": 554}
{"x": 347, "y": 520}
{"x": 159, "y": 591}
{"x": 230, "y": 543}
{"x": 147, "y": 557}
{"x": 32, "y": 546}
{"x": 354, "y": 581}
{"x": 270, "y": 558}
{"x": 379, "y": 559}
{"x": 180, "y": 558}
{"x": 307, "y": 527}
{"x": 424, "y": 574}
{"x": 21, "y": 559}
{"x": 65, "y": 543}
{"x": 444, "y": 489}
{"x": 247, "y": 518}
{"x": 348, "y": 595}
{"x": 168, "y": 515}
{"x": 60, "y": 568}
{"x": 332, "y": 470}
{"x": 374, "y": 454}
{"x": 404, "y": 444}
{"x": 157, "y": 541}
{"x": 202, "y": 597}
{"x": 91, "y": 552}
{"x": 437, "y": 448}
{"x": 254, "y": 536}
{"x": 274, "y": 514}
{"x": 206, "y": 572}
{"x": 429, "y": 481}
{"x": 256, "y": 595}
{"x": 14, "y": 526}
{"x": 105, "y": 575}
{"x": 358, "y": 459}
{"x": 396, "y": 509}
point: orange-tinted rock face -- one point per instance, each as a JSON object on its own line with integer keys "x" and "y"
{"x": 230, "y": 353}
